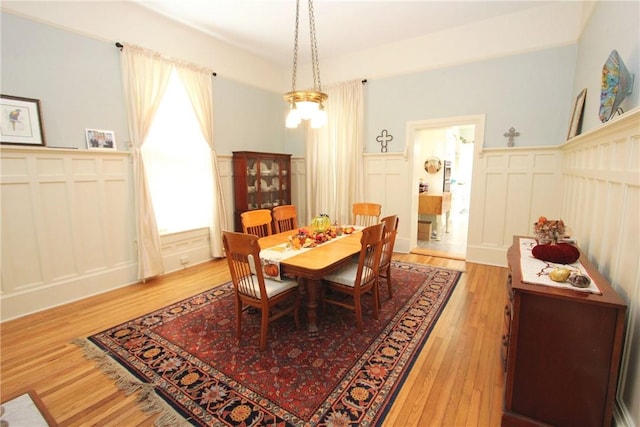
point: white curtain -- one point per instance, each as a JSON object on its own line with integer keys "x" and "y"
{"x": 145, "y": 75}
{"x": 198, "y": 85}
{"x": 334, "y": 159}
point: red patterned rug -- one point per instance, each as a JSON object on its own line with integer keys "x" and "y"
{"x": 187, "y": 354}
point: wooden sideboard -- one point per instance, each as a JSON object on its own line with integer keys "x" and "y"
{"x": 436, "y": 204}
{"x": 561, "y": 349}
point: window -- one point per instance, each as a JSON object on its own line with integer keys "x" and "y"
{"x": 177, "y": 163}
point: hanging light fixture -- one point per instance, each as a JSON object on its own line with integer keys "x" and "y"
{"x": 306, "y": 104}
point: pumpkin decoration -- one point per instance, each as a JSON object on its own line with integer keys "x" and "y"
{"x": 271, "y": 270}
{"x": 559, "y": 253}
{"x": 321, "y": 223}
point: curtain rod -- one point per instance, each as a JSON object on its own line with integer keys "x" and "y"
{"x": 120, "y": 46}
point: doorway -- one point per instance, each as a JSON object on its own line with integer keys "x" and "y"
{"x": 451, "y": 145}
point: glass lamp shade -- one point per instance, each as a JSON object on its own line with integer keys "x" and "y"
{"x": 307, "y": 109}
{"x": 305, "y": 105}
{"x": 293, "y": 118}
{"x": 319, "y": 119}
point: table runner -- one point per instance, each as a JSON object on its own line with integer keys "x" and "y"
{"x": 270, "y": 258}
{"x": 536, "y": 271}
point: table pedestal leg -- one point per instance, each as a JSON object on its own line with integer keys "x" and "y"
{"x": 313, "y": 296}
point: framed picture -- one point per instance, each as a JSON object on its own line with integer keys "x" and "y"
{"x": 21, "y": 122}
{"x": 576, "y": 117}
{"x": 100, "y": 139}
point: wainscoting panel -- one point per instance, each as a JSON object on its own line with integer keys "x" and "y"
{"x": 185, "y": 249}
{"x": 298, "y": 189}
{"x": 67, "y": 226}
{"x": 601, "y": 195}
{"x": 387, "y": 181}
{"x": 511, "y": 188}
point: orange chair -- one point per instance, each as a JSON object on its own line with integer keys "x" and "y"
{"x": 389, "y": 240}
{"x": 357, "y": 279}
{"x": 252, "y": 289}
{"x": 257, "y": 222}
{"x": 285, "y": 218}
{"x": 366, "y": 214}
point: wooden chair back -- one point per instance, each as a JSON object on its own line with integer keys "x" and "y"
{"x": 243, "y": 252}
{"x": 251, "y": 288}
{"x": 356, "y": 280}
{"x": 285, "y": 218}
{"x": 366, "y": 214}
{"x": 389, "y": 240}
{"x": 370, "y": 254}
{"x": 257, "y": 222}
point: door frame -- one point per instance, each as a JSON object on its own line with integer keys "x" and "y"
{"x": 413, "y": 127}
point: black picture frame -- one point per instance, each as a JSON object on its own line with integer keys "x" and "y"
{"x": 20, "y": 121}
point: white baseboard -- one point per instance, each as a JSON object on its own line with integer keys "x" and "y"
{"x": 21, "y": 303}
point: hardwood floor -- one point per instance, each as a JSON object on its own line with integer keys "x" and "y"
{"x": 456, "y": 381}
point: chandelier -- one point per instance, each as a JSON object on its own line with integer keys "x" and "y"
{"x": 306, "y": 104}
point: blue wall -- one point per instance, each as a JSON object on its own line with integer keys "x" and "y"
{"x": 612, "y": 25}
{"x": 531, "y": 92}
{"x": 76, "y": 79}
{"x": 247, "y": 118}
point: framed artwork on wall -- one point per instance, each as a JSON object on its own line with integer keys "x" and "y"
{"x": 21, "y": 122}
{"x": 98, "y": 139}
{"x": 575, "y": 127}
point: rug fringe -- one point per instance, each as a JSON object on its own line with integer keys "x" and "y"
{"x": 147, "y": 398}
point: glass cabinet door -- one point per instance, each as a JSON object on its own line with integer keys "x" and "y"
{"x": 252, "y": 184}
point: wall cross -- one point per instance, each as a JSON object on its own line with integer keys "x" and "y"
{"x": 384, "y": 139}
{"x": 511, "y": 134}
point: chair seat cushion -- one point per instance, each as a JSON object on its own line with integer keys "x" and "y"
{"x": 347, "y": 275}
{"x": 273, "y": 287}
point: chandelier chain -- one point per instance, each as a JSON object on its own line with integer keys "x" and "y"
{"x": 314, "y": 49}
{"x": 306, "y": 104}
{"x": 295, "y": 48}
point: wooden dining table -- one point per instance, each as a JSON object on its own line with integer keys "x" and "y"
{"x": 309, "y": 267}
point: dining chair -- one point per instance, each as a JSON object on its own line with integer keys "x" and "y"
{"x": 366, "y": 214}
{"x": 285, "y": 218}
{"x": 257, "y": 222}
{"x": 354, "y": 280}
{"x": 389, "y": 239}
{"x": 252, "y": 289}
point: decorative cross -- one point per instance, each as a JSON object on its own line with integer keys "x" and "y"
{"x": 511, "y": 134}
{"x": 384, "y": 138}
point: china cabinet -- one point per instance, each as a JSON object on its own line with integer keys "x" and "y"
{"x": 261, "y": 181}
{"x": 561, "y": 349}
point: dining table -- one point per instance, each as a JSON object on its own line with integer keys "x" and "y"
{"x": 310, "y": 266}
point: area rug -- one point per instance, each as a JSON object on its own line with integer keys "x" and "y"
{"x": 185, "y": 361}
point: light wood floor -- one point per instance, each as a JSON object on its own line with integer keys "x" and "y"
{"x": 456, "y": 381}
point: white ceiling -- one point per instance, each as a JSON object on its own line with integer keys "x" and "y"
{"x": 266, "y": 27}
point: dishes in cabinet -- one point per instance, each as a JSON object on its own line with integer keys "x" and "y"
{"x": 263, "y": 185}
{"x": 275, "y": 182}
{"x": 251, "y": 170}
{"x": 284, "y": 172}
{"x": 275, "y": 168}
{"x": 264, "y": 170}
{"x": 251, "y": 188}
